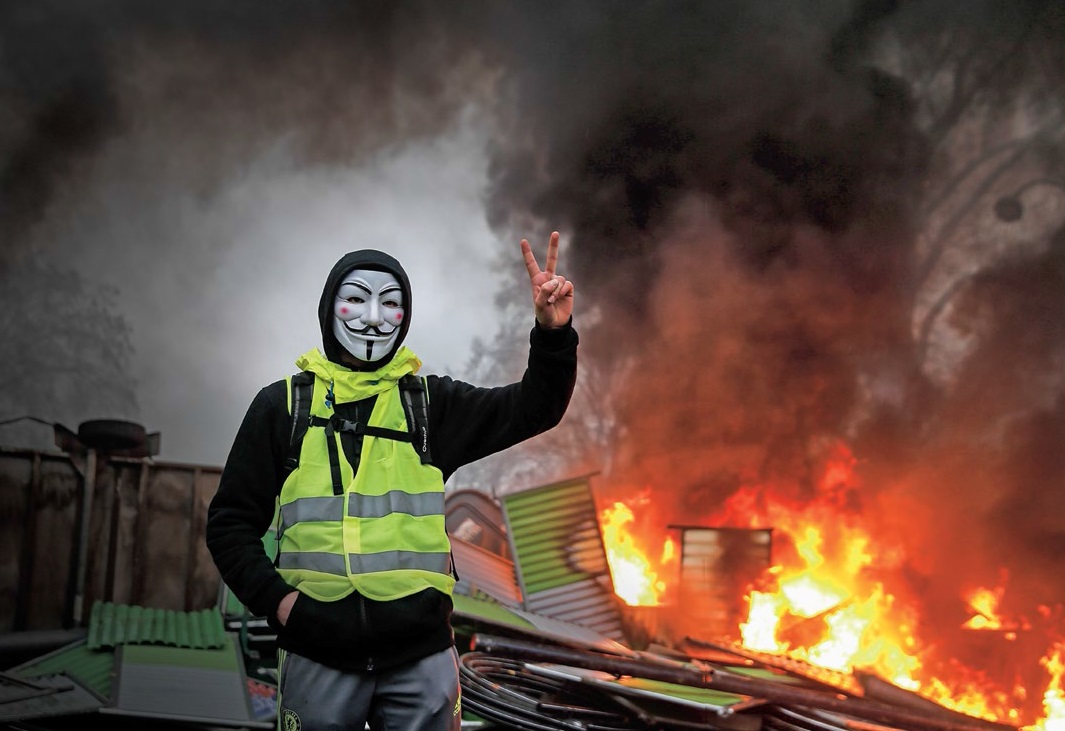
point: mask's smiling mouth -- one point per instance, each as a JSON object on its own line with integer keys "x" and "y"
{"x": 370, "y": 332}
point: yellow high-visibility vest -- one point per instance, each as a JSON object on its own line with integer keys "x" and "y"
{"x": 384, "y": 533}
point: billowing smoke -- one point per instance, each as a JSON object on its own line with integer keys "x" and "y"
{"x": 331, "y": 80}
{"x": 784, "y": 223}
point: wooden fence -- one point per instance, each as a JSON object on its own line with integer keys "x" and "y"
{"x": 140, "y": 542}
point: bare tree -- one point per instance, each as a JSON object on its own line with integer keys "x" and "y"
{"x": 65, "y": 354}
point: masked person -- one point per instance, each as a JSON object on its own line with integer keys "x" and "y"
{"x": 360, "y": 592}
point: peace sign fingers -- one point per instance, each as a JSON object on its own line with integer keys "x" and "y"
{"x": 552, "y": 254}
{"x": 552, "y": 294}
{"x": 530, "y": 259}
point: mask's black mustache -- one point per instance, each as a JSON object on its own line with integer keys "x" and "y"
{"x": 370, "y": 330}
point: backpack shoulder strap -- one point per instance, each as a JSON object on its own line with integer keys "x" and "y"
{"x": 415, "y": 393}
{"x": 301, "y": 391}
{"x": 414, "y": 396}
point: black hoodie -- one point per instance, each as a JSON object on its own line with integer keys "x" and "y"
{"x": 466, "y": 423}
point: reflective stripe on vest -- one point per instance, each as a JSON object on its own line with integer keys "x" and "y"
{"x": 391, "y": 539}
{"x": 307, "y": 509}
{"x": 323, "y": 563}
{"x": 368, "y": 563}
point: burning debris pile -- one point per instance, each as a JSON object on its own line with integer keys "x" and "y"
{"x": 838, "y": 598}
{"x": 810, "y": 638}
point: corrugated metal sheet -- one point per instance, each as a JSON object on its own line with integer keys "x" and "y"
{"x": 473, "y": 615}
{"x": 475, "y": 610}
{"x": 92, "y": 660}
{"x": 144, "y": 544}
{"x": 116, "y": 624}
{"x": 93, "y": 669}
{"x": 52, "y": 695}
{"x": 153, "y": 681}
{"x": 717, "y": 569}
{"x": 484, "y": 572}
{"x": 181, "y": 684}
{"x": 476, "y": 517}
{"x": 560, "y": 558}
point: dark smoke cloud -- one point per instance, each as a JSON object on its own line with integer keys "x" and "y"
{"x": 741, "y": 184}
{"x": 220, "y": 80}
{"x": 58, "y": 107}
{"x": 761, "y": 197}
{"x": 635, "y": 109}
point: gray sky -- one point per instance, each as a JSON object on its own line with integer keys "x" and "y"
{"x": 222, "y": 293}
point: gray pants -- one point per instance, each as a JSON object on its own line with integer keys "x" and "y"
{"x": 423, "y": 696}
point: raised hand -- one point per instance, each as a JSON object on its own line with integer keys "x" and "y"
{"x": 552, "y": 293}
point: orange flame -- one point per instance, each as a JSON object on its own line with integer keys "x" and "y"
{"x": 827, "y": 601}
{"x": 985, "y": 603}
{"x": 1054, "y": 697}
{"x": 636, "y": 579}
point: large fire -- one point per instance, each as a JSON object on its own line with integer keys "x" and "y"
{"x": 635, "y": 579}
{"x": 829, "y": 600}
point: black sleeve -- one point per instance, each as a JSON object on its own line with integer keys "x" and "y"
{"x": 467, "y": 422}
{"x": 242, "y": 509}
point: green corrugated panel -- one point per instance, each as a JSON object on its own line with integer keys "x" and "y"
{"x": 548, "y": 527}
{"x": 93, "y": 669}
{"x": 560, "y": 558}
{"x": 118, "y": 624}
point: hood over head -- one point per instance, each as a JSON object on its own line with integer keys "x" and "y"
{"x": 363, "y": 259}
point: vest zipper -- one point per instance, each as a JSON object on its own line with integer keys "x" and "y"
{"x": 364, "y": 626}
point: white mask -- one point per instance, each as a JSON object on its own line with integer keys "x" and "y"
{"x": 367, "y": 313}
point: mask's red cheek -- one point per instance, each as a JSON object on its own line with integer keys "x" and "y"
{"x": 343, "y": 310}
{"x": 399, "y": 316}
